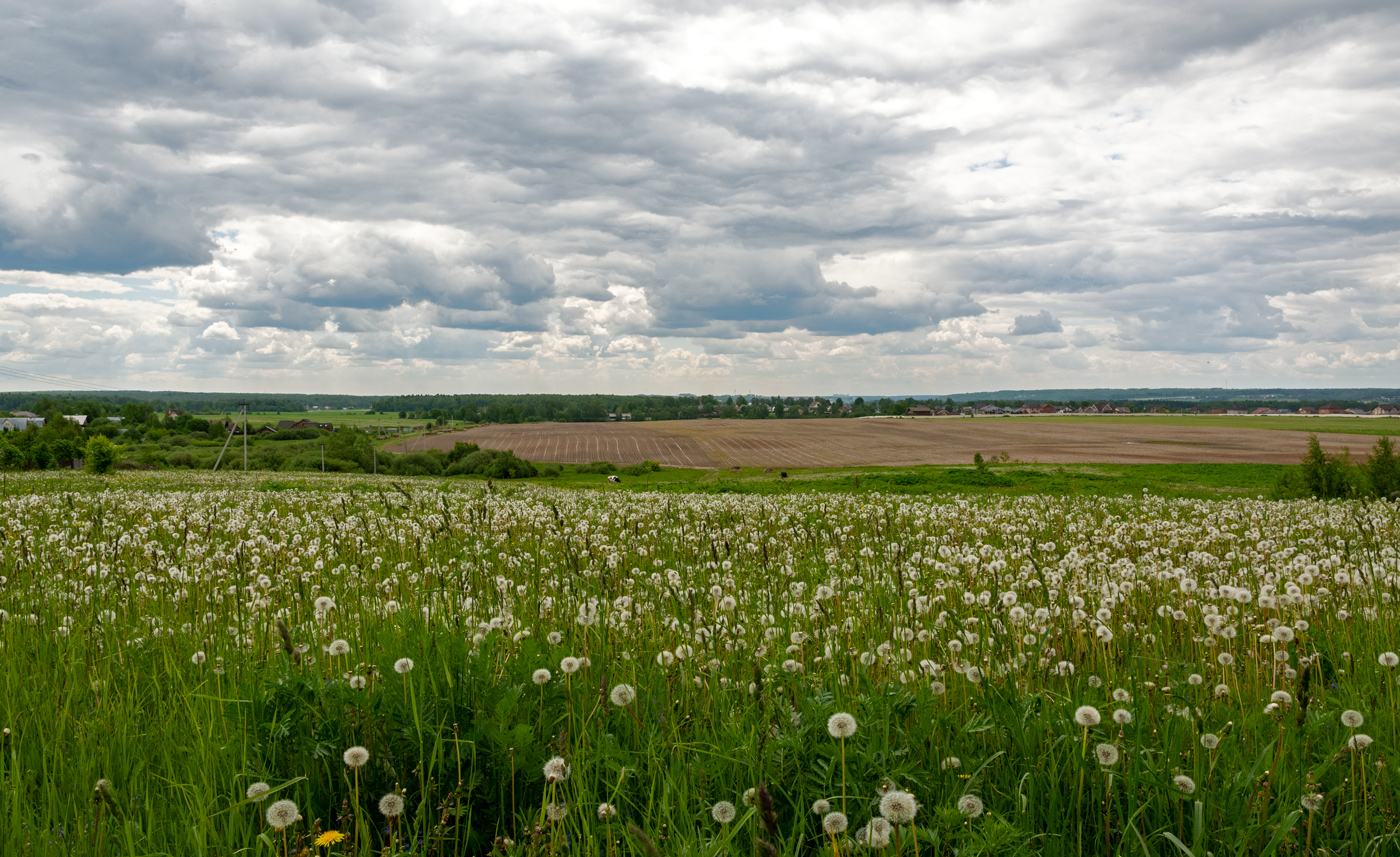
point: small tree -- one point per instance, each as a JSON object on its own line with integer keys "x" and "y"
{"x": 1327, "y": 476}
{"x": 1383, "y": 469}
{"x": 101, "y": 455}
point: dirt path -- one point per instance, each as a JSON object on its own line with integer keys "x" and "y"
{"x": 844, "y": 443}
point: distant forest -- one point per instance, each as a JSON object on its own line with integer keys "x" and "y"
{"x": 544, "y": 407}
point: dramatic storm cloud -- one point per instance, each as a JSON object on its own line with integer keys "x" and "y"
{"x": 365, "y": 195}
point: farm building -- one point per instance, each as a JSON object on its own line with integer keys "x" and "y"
{"x": 20, "y": 423}
{"x": 921, "y": 411}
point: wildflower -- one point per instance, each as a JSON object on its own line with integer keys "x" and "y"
{"x": 197, "y": 658}
{"x": 834, "y": 823}
{"x": 357, "y": 682}
{"x": 1107, "y": 754}
{"x": 723, "y": 812}
{"x": 556, "y": 770}
{"x": 1359, "y": 742}
{"x": 1352, "y": 719}
{"x": 1280, "y": 697}
{"x": 936, "y": 688}
{"x": 556, "y": 811}
{"x": 970, "y": 806}
{"x": 356, "y": 757}
{"x": 1184, "y": 784}
{"x": 1222, "y": 690}
{"x": 338, "y": 648}
{"x": 258, "y": 792}
{"x": 569, "y": 665}
{"x": 1312, "y": 801}
{"x": 841, "y": 725}
{"x": 403, "y": 665}
{"x": 1210, "y": 740}
{"x": 1086, "y": 716}
{"x": 749, "y": 797}
{"x": 1389, "y": 659}
{"x": 899, "y": 807}
{"x": 606, "y": 812}
{"x": 282, "y": 814}
{"x": 391, "y": 805}
{"x": 820, "y": 807}
{"x": 541, "y": 676}
{"x": 324, "y": 604}
{"x": 951, "y": 763}
{"x": 329, "y": 838}
{"x": 623, "y": 695}
{"x": 1122, "y": 717}
{"x": 878, "y": 834}
{"x": 1121, "y": 695}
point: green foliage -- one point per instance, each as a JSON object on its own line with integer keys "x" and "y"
{"x": 100, "y": 456}
{"x": 641, "y": 468}
{"x": 596, "y": 467}
{"x": 493, "y": 463}
{"x": 1383, "y": 470}
{"x": 1336, "y": 476}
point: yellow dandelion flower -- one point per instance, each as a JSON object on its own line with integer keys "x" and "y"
{"x": 329, "y": 838}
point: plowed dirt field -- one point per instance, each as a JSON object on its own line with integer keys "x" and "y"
{"x": 847, "y": 443}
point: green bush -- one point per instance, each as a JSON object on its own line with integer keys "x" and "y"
{"x": 101, "y": 455}
{"x": 495, "y": 463}
{"x": 550, "y": 470}
{"x": 182, "y": 459}
{"x": 600, "y": 467}
{"x": 1383, "y": 470}
{"x": 641, "y": 469}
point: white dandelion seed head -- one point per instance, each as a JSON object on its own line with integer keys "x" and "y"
{"x": 1389, "y": 659}
{"x": 723, "y": 812}
{"x": 197, "y": 658}
{"x": 569, "y": 665}
{"x": 1222, "y": 690}
{"x": 749, "y": 797}
{"x": 324, "y": 604}
{"x": 1087, "y": 715}
{"x": 356, "y": 757}
{"x": 556, "y": 770}
{"x": 391, "y": 805}
{"x": 338, "y": 648}
{"x": 1107, "y": 754}
{"x": 1283, "y": 634}
{"x": 951, "y": 763}
{"x": 899, "y": 807}
{"x": 834, "y": 823}
{"x": 540, "y": 676}
{"x": 1359, "y": 742}
{"x": 841, "y": 725}
{"x": 1312, "y": 802}
{"x": 1352, "y": 719}
{"x": 1184, "y": 784}
{"x": 282, "y": 814}
{"x": 403, "y": 665}
{"x": 623, "y": 695}
{"x": 555, "y": 638}
{"x": 258, "y": 791}
{"x": 357, "y": 682}
{"x": 606, "y": 812}
{"x": 878, "y": 833}
{"x": 970, "y": 806}
{"x": 821, "y": 807}
{"x": 1280, "y": 697}
{"x": 556, "y": 811}
{"x": 1210, "y": 740}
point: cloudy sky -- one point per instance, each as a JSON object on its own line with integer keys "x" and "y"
{"x": 415, "y": 196}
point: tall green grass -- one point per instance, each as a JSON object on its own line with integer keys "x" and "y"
{"x": 141, "y": 647}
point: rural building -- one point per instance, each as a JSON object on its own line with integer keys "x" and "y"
{"x": 1261, "y": 411}
{"x": 80, "y": 420}
{"x": 1387, "y": 411}
{"x": 1306, "y": 410}
{"x": 20, "y": 423}
{"x": 173, "y": 414}
{"x": 1330, "y": 408}
{"x": 921, "y": 411}
{"x": 29, "y": 415}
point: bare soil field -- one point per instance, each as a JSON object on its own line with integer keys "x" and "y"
{"x": 849, "y": 443}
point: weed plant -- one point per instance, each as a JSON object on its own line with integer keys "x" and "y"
{"x": 194, "y": 666}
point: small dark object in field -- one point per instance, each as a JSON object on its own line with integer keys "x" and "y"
{"x": 735, "y": 468}
{"x": 614, "y": 478}
{"x": 782, "y": 475}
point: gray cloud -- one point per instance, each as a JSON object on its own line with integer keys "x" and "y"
{"x": 381, "y": 182}
{"x": 1041, "y": 322}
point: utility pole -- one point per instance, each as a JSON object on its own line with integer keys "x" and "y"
{"x": 243, "y": 412}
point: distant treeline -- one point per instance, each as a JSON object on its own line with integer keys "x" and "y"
{"x": 548, "y": 407}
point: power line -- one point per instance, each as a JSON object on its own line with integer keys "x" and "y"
{"x": 41, "y": 378}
